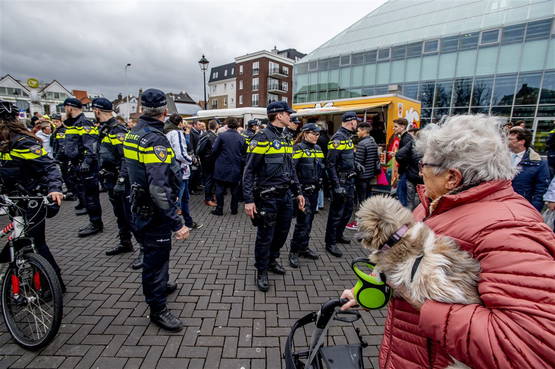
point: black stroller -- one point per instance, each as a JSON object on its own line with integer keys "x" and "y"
{"x": 320, "y": 356}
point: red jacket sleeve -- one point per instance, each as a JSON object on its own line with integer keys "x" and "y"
{"x": 515, "y": 326}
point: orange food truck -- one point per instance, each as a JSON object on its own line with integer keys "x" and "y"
{"x": 379, "y": 111}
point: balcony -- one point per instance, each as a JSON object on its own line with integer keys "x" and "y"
{"x": 277, "y": 72}
{"x": 276, "y": 88}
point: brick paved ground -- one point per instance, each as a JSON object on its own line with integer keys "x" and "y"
{"x": 229, "y": 323}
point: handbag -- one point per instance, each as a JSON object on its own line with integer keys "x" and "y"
{"x": 382, "y": 178}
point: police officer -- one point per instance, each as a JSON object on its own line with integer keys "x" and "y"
{"x": 155, "y": 179}
{"x": 81, "y": 142}
{"x": 25, "y": 164}
{"x": 308, "y": 161}
{"x": 341, "y": 168}
{"x": 268, "y": 180}
{"x": 58, "y": 148}
{"x": 111, "y": 135}
{"x": 292, "y": 129}
{"x": 252, "y": 127}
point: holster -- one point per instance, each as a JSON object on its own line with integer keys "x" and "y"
{"x": 141, "y": 204}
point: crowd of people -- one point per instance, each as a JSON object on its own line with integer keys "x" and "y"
{"x": 483, "y": 185}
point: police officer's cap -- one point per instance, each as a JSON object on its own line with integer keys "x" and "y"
{"x": 102, "y": 103}
{"x": 253, "y": 122}
{"x": 72, "y": 101}
{"x": 350, "y": 115}
{"x": 278, "y": 107}
{"x": 153, "y": 98}
{"x": 56, "y": 116}
{"x": 296, "y": 120}
{"x": 313, "y": 127}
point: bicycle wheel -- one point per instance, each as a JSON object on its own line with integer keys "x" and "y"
{"x": 32, "y": 302}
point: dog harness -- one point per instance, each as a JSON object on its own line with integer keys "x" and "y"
{"x": 396, "y": 237}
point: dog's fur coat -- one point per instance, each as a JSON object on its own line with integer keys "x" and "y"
{"x": 445, "y": 274}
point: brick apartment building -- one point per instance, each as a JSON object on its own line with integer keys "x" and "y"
{"x": 258, "y": 78}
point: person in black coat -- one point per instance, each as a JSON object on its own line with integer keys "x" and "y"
{"x": 229, "y": 157}
{"x": 206, "y": 157}
{"x": 409, "y": 157}
{"x": 366, "y": 155}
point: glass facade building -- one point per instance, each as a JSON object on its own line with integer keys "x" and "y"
{"x": 491, "y": 56}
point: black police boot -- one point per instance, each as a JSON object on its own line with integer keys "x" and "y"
{"x": 171, "y": 287}
{"x": 123, "y": 247}
{"x": 343, "y": 240}
{"x": 262, "y": 281}
{"x": 293, "y": 260}
{"x": 166, "y": 320}
{"x": 90, "y": 229}
{"x": 334, "y": 250}
{"x": 276, "y": 268}
{"x": 138, "y": 263}
{"x": 309, "y": 254}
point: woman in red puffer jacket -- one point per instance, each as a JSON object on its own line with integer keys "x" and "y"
{"x": 467, "y": 195}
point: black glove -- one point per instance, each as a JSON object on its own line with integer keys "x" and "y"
{"x": 119, "y": 188}
{"x": 359, "y": 168}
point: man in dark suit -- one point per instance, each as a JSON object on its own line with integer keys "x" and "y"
{"x": 229, "y": 156}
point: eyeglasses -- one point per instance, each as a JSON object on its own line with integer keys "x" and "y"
{"x": 422, "y": 164}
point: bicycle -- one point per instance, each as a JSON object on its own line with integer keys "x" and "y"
{"x": 319, "y": 356}
{"x": 31, "y": 295}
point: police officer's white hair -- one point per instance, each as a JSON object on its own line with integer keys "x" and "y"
{"x": 153, "y": 112}
{"x": 473, "y": 144}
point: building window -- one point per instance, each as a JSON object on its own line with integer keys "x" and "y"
{"x": 370, "y": 57}
{"x": 357, "y": 59}
{"x": 398, "y": 52}
{"x": 225, "y": 72}
{"x": 241, "y": 69}
{"x": 414, "y": 50}
{"x": 513, "y": 34}
{"x": 232, "y": 70}
{"x": 215, "y": 75}
{"x": 449, "y": 44}
{"x": 313, "y": 65}
{"x": 383, "y": 54}
{"x": 345, "y": 60}
{"x": 214, "y": 104}
{"x": 285, "y": 70}
{"x": 240, "y": 84}
{"x": 255, "y": 84}
{"x": 273, "y": 84}
{"x": 538, "y": 30}
{"x": 254, "y": 99}
{"x": 240, "y": 99}
{"x": 489, "y": 37}
{"x": 274, "y": 67}
{"x": 272, "y": 98}
{"x": 284, "y": 98}
{"x": 255, "y": 68}
{"x": 285, "y": 86}
{"x": 469, "y": 41}
{"x": 430, "y": 46}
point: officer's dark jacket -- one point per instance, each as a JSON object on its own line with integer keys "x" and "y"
{"x": 532, "y": 179}
{"x": 308, "y": 160}
{"x": 81, "y": 140}
{"x": 248, "y": 134}
{"x": 410, "y": 158}
{"x": 27, "y": 163}
{"x": 229, "y": 156}
{"x": 151, "y": 164}
{"x": 269, "y": 163}
{"x": 340, "y": 161}
{"x": 59, "y": 143}
{"x": 111, "y": 136}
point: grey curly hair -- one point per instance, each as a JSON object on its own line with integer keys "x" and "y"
{"x": 473, "y": 144}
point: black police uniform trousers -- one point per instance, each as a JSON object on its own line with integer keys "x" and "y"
{"x": 156, "y": 262}
{"x": 303, "y": 227}
{"x": 341, "y": 209}
{"x": 92, "y": 194}
{"x": 220, "y": 194}
{"x": 37, "y": 230}
{"x": 272, "y": 232}
{"x": 67, "y": 176}
{"x": 122, "y": 211}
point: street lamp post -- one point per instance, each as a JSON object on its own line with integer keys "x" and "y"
{"x": 203, "y": 64}
{"x": 127, "y": 91}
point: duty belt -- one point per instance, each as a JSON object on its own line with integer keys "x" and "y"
{"x": 346, "y": 175}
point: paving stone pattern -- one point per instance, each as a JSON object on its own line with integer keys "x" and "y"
{"x": 229, "y": 323}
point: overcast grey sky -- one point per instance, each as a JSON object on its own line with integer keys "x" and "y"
{"x": 85, "y": 44}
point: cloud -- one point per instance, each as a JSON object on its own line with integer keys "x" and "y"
{"x": 85, "y": 44}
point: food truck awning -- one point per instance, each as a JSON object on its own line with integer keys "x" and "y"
{"x": 338, "y": 109}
